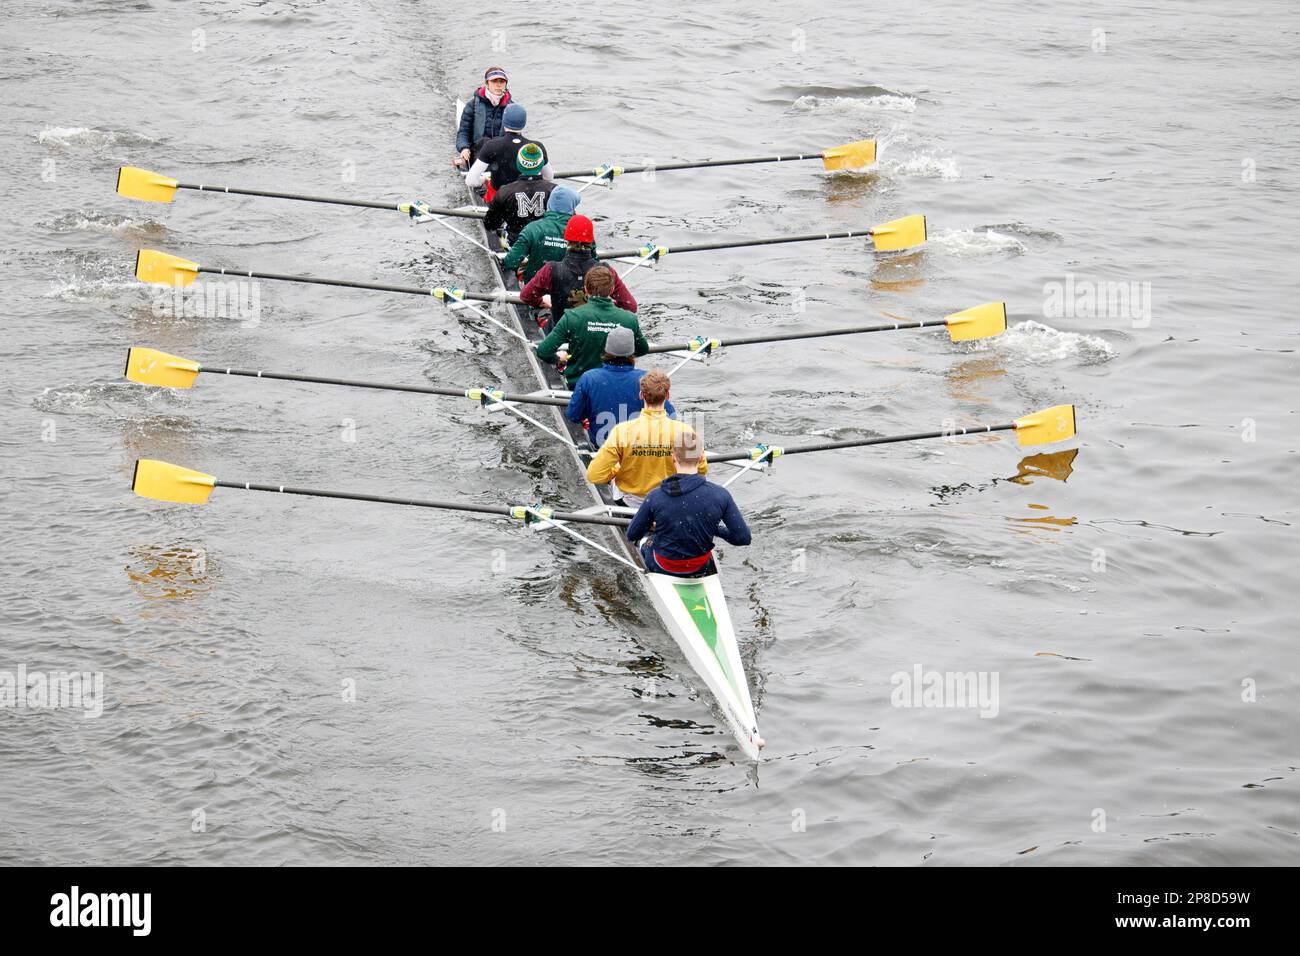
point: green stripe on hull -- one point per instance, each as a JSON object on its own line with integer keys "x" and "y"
{"x": 696, "y": 601}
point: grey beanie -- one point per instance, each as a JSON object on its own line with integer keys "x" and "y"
{"x": 620, "y": 342}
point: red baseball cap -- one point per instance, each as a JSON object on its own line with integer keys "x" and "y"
{"x": 579, "y": 229}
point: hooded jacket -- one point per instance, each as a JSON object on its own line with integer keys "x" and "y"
{"x": 687, "y": 512}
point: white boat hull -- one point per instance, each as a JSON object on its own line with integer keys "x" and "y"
{"x": 694, "y": 610}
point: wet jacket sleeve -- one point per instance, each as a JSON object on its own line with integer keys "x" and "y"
{"x": 640, "y": 345}
{"x": 466, "y": 126}
{"x": 538, "y": 286}
{"x": 623, "y": 298}
{"x": 579, "y": 409}
{"x": 519, "y": 250}
{"x": 641, "y": 522}
{"x": 605, "y": 465}
{"x": 549, "y": 346}
{"x": 733, "y": 529}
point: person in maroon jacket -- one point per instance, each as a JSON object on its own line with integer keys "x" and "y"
{"x": 558, "y": 285}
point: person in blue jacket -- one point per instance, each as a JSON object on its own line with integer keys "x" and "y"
{"x": 483, "y": 116}
{"x": 686, "y": 512}
{"x": 611, "y": 394}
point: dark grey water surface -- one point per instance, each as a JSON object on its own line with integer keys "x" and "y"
{"x": 514, "y": 703}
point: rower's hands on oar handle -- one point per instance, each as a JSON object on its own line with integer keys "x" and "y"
{"x": 461, "y": 159}
{"x": 546, "y": 300}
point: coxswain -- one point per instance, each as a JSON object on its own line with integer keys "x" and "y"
{"x": 524, "y": 200}
{"x": 611, "y": 394}
{"x": 586, "y": 327}
{"x": 638, "y": 454}
{"x": 498, "y": 156}
{"x": 684, "y": 514}
{"x": 482, "y": 117}
{"x": 542, "y": 241}
{"x": 556, "y": 284}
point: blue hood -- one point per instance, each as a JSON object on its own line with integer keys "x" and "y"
{"x": 563, "y": 199}
{"x": 678, "y": 485}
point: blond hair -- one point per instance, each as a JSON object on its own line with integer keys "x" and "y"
{"x": 654, "y": 387}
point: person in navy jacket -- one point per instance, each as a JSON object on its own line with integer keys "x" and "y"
{"x": 483, "y": 116}
{"x": 686, "y": 512}
{"x": 611, "y": 394}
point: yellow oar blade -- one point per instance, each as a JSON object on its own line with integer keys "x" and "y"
{"x": 166, "y": 482}
{"x": 981, "y": 322}
{"x": 142, "y": 184}
{"x": 850, "y": 155}
{"x": 1047, "y": 426}
{"x": 162, "y": 269}
{"x": 151, "y": 367}
{"x": 900, "y": 234}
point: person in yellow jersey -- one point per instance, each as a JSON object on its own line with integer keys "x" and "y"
{"x": 638, "y": 454}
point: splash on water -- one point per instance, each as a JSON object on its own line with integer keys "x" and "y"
{"x": 928, "y": 166}
{"x": 1041, "y": 344}
{"x": 122, "y": 227}
{"x": 884, "y": 103}
{"x": 977, "y": 243}
{"x": 76, "y": 139}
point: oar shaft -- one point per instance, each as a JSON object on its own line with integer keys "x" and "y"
{"x": 302, "y": 197}
{"x": 739, "y": 243}
{"x": 697, "y": 164}
{"x": 859, "y": 442}
{"x": 500, "y": 510}
{"x": 791, "y": 336}
{"x": 349, "y": 284}
{"x": 352, "y": 383}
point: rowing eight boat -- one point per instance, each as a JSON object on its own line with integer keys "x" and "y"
{"x": 693, "y": 610}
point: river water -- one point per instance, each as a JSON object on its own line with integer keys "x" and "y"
{"x": 291, "y": 680}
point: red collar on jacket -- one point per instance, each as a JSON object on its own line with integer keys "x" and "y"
{"x": 505, "y": 97}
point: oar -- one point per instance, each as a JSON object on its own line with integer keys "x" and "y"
{"x": 980, "y": 322}
{"x": 887, "y": 237}
{"x": 154, "y": 187}
{"x": 152, "y": 367}
{"x": 1042, "y": 428}
{"x": 849, "y": 156}
{"x": 163, "y": 481}
{"x": 160, "y": 268}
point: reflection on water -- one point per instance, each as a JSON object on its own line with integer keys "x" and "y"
{"x": 849, "y": 187}
{"x": 966, "y": 379}
{"x": 168, "y": 572}
{"x": 1057, "y": 464}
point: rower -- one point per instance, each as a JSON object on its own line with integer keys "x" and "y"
{"x": 637, "y": 455}
{"x": 524, "y": 200}
{"x": 482, "y": 116}
{"x": 686, "y": 512}
{"x": 498, "y": 155}
{"x": 611, "y": 394}
{"x": 556, "y": 283}
{"x": 543, "y": 241}
{"x": 586, "y": 326}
